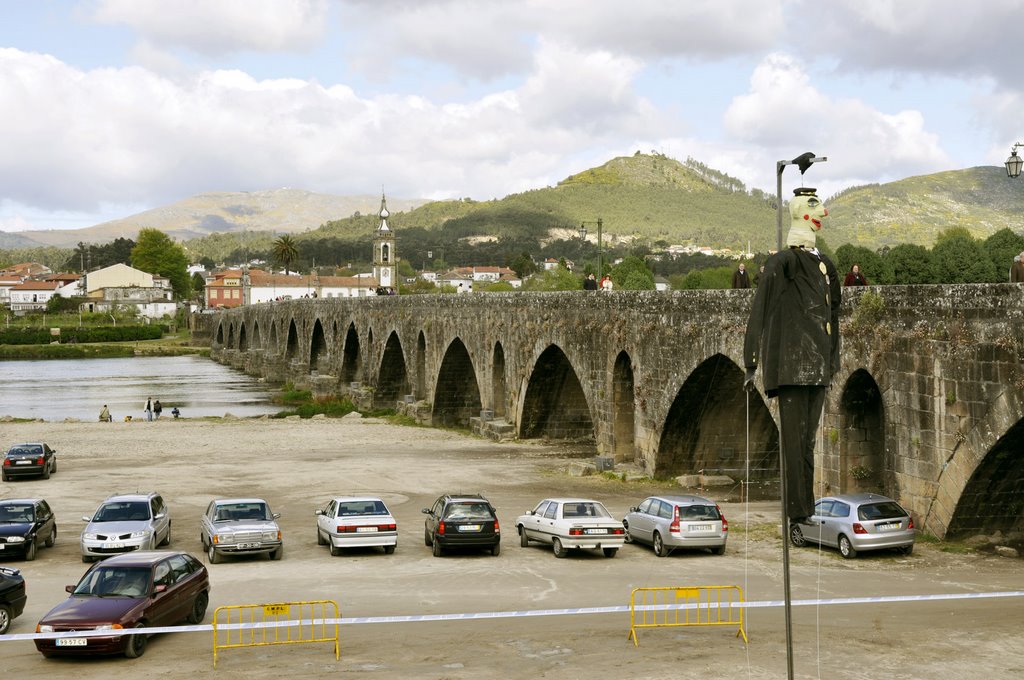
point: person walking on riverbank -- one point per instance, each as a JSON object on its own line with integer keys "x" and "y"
{"x": 157, "y": 409}
{"x": 149, "y": 408}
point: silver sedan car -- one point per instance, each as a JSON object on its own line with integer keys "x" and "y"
{"x": 125, "y": 523}
{"x": 669, "y": 522}
{"x": 356, "y": 522}
{"x": 240, "y": 526}
{"x": 855, "y": 523}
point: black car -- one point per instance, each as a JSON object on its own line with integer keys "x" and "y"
{"x": 23, "y": 460}
{"x": 12, "y": 597}
{"x": 454, "y": 521}
{"x": 25, "y": 524}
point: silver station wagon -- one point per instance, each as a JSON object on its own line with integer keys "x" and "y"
{"x": 855, "y": 523}
{"x": 670, "y": 522}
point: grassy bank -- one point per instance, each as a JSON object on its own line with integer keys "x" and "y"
{"x": 168, "y": 345}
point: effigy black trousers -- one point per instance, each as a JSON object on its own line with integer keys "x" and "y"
{"x": 799, "y": 412}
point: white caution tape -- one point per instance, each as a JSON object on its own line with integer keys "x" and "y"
{"x": 418, "y": 618}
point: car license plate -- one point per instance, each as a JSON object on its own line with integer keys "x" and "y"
{"x": 247, "y": 546}
{"x": 700, "y": 527}
{"x": 595, "y": 531}
{"x": 469, "y": 527}
{"x": 892, "y": 526}
{"x": 366, "y": 530}
{"x": 113, "y": 546}
{"x": 23, "y": 462}
{"x": 72, "y": 642}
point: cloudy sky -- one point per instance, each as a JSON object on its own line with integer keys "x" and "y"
{"x": 111, "y": 107}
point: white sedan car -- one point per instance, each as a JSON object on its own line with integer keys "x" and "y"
{"x": 566, "y": 523}
{"x": 356, "y": 522}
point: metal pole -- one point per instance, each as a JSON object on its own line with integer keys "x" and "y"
{"x": 785, "y": 562}
{"x": 779, "y": 167}
{"x": 600, "y": 251}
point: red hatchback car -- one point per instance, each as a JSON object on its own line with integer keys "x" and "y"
{"x": 133, "y": 590}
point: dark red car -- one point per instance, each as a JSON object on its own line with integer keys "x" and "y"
{"x": 133, "y": 590}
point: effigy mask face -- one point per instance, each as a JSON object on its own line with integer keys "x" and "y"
{"x": 806, "y": 213}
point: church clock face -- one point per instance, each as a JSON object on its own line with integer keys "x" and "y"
{"x": 385, "y": 277}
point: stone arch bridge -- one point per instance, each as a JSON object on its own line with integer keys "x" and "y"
{"x": 928, "y": 406}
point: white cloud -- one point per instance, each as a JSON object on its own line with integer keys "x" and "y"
{"x": 220, "y": 26}
{"x": 784, "y": 115}
{"x": 129, "y": 135}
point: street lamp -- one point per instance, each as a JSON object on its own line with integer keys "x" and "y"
{"x": 1014, "y": 162}
{"x": 803, "y": 161}
{"x": 600, "y": 247}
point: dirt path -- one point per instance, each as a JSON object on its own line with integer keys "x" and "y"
{"x": 298, "y": 465}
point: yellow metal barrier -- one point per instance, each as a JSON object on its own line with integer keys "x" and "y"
{"x": 277, "y": 623}
{"x": 685, "y": 606}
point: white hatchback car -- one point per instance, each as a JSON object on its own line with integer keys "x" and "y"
{"x": 356, "y": 522}
{"x": 566, "y": 523}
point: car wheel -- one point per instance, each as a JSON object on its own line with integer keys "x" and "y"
{"x": 30, "y": 550}
{"x": 277, "y": 554}
{"x": 907, "y": 549}
{"x": 320, "y": 537}
{"x": 437, "y": 548}
{"x": 389, "y": 550}
{"x": 46, "y": 472}
{"x": 5, "y": 618}
{"x": 87, "y": 559}
{"x": 52, "y": 538}
{"x": 796, "y": 536}
{"x": 559, "y": 550}
{"x": 523, "y": 540}
{"x": 496, "y": 549}
{"x": 626, "y": 538}
{"x": 428, "y": 540}
{"x": 136, "y": 645}
{"x": 659, "y": 545}
{"x": 212, "y": 554}
{"x": 335, "y": 551}
{"x": 610, "y": 552}
{"x": 198, "y": 608}
{"x": 6, "y": 477}
{"x": 718, "y": 550}
{"x": 167, "y": 538}
{"x": 846, "y": 548}
{"x": 53, "y": 468}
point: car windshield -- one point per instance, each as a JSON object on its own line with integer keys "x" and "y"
{"x": 123, "y": 511}
{"x": 698, "y": 513}
{"x": 24, "y": 450}
{"x": 584, "y": 509}
{"x": 882, "y": 510}
{"x": 350, "y": 508}
{"x": 234, "y": 512}
{"x": 115, "y": 582}
{"x": 16, "y": 513}
{"x": 467, "y": 511}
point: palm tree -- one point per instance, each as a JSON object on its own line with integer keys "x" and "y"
{"x": 285, "y": 252}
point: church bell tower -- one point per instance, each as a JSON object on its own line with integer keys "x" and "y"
{"x": 385, "y": 264}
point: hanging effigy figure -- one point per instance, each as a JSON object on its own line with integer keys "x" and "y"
{"x": 793, "y": 337}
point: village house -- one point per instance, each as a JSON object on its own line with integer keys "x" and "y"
{"x": 235, "y": 287}
{"x": 32, "y": 296}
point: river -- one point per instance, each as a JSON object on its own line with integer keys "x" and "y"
{"x": 77, "y": 388}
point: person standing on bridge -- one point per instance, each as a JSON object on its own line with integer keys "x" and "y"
{"x": 1017, "y": 269}
{"x": 740, "y": 277}
{"x": 793, "y": 336}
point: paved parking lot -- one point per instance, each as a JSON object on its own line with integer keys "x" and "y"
{"x": 297, "y": 466}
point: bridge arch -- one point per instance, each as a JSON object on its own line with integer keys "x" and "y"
{"x": 862, "y": 463}
{"x": 457, "y": 394}
{"x": 555, "y": 406}
{"x": 421, "y": 366}
{"x": 291, "y": 348}
{"x": 350, "y": 356}
{"x": 393, "y": 377}
{"x": 623, "y": 409}
{"x": 498, "y": 404}
{"x": 219, "y": 338}
{"x": 243, "y": 341}
{"x": 274, "y": 345}
{"x": 704, "y": 431}
{"x": 993, "y": 498}
{"x": 257, "y": 340}
{"x": 317, "y": 346}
